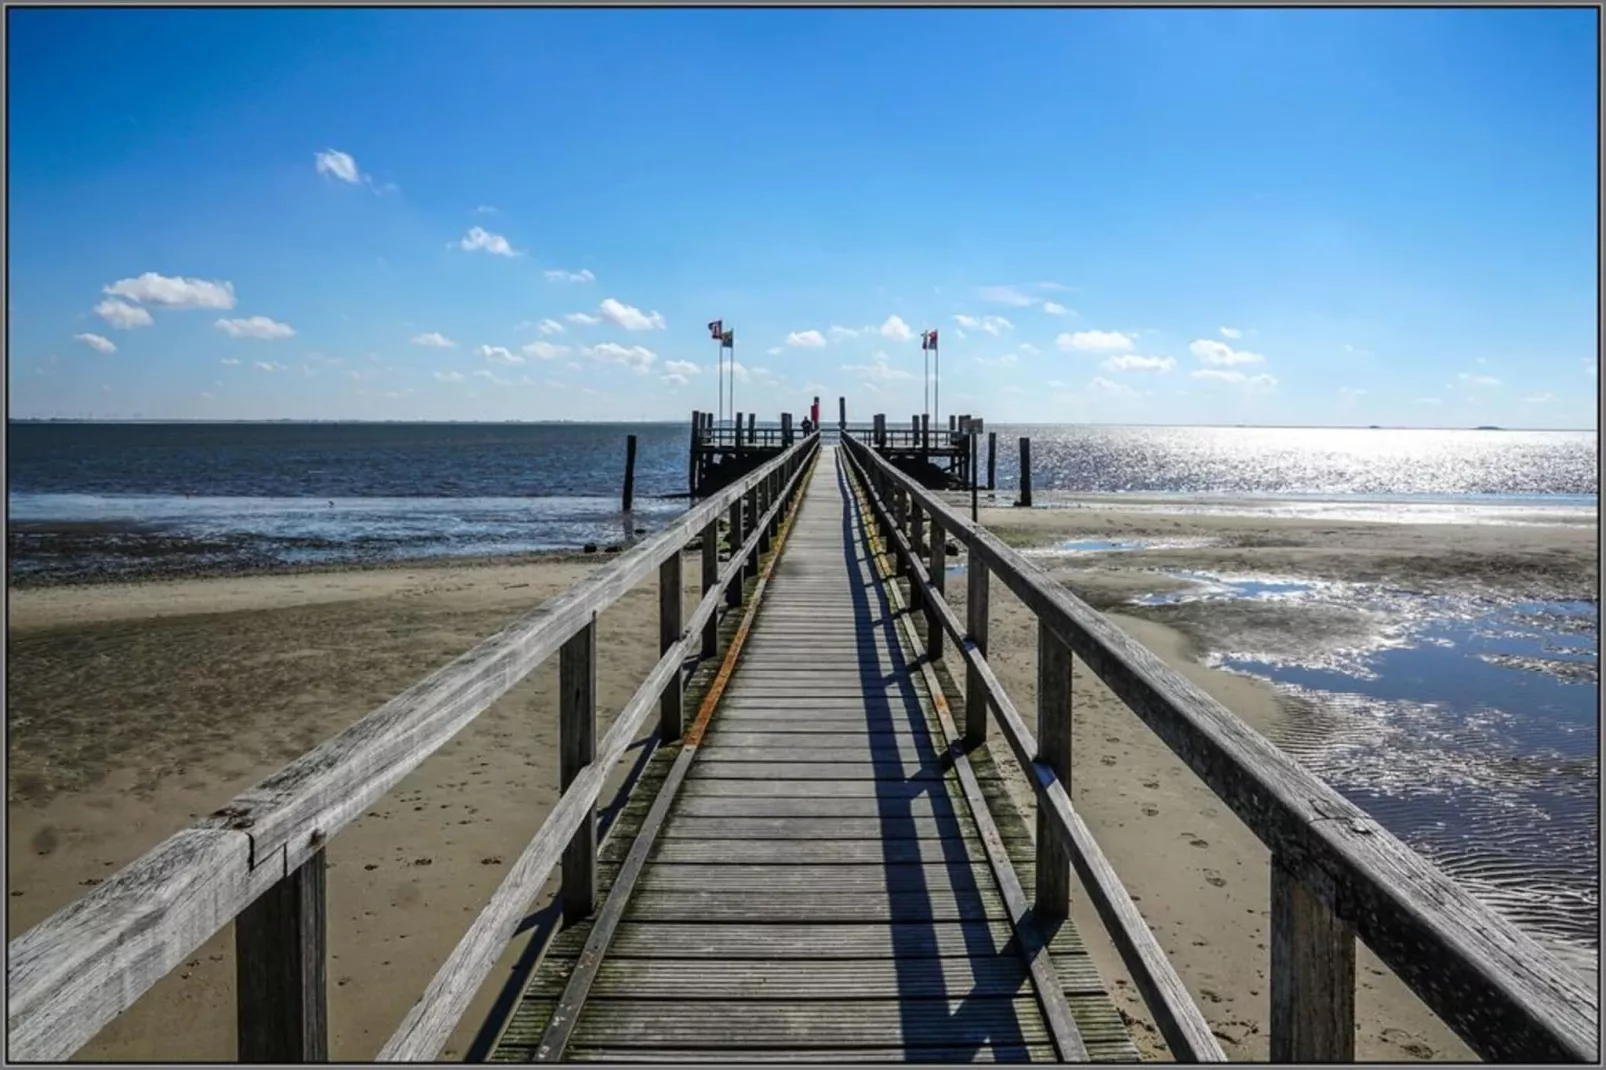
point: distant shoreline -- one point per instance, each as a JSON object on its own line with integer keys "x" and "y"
{"x": 289, "y": 421}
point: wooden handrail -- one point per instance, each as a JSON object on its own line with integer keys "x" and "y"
{"x": 1337, "y": 874}
{"x": 81, "y": 967}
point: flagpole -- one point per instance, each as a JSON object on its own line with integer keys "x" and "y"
{"x": 936, "y": 381}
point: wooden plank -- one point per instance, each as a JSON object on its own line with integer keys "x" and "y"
{"x": 818, "y": 828}
{"x": 792, "y": 770}
{"x": 1312, "y": 976}
{"x": 910, "y": 756}
{"x": 281, "y": 971}
{"x": 987, "y": 1052}
{"x": 887, "y": 790}
{"x": 817, "y": 852}
{"x": 925, "y": 905}
{"x": 686, "y": 980}
{"x": 881, "y": 808}
{"x": 1508, "y": 997}
{"x": 815, "y": 1023}
{"x": 855, "y": 940}
{"x": 958, "y": 876}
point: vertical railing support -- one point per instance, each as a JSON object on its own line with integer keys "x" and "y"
{"x": 733, "y": 593}
{"x": 710, "y": 570}
{"x": 1053, "y": 750}
{"x": 281, "y": 972}
{"x": 750, "y": 525}
{"x": 671, "y": 607}
{"x": 577, "y": 747}
{"x": 1312, "y": 976}
{"x": 939, "y": 580}
{"x": 976, "y": 624}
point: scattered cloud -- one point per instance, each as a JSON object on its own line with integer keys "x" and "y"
{"x": 879, "y": 370}
{"x": 96, "y": 342}
{"x": 270, "y": 365}
{"x": 434, "y": 339}
{"x": 478, "y": 239}
{"x": 993, "y": 325}
{"x": 1101, "y": 385}
{"x": 544, "y": 350}
{"x": 840, "y": 333}
{"x": 1006, "y": 295}
{"x": 339, "y": 165}
{"x": 1093, "y": 341}
{"x": 549, "y": 327}
{"x": 638, "y": 357}
{"x": 449, "y": 377}
{"x": 500, "y": 355}
{"x": 583, "y": 318}
{"x": 229, "y": 360}
{"x": 996, "y": 362}
{"x": 806, "y": 339}
{"x": 174, "y": 292}
{"x": 1131, "y": 362}
{"x": 122, "y": 315}
{"x": 629, "y": 317}
{"x": 1029, "y": 349}
{"x": 1467, "y": 379}
{"x": 896, "y": 329}
{"x": 1235, "y": 333}
{"x": 674, "y": 379}
{"x": 1540, "y": 399}
{"x": 559, "y": 275}
{"x": 1213, "y": 352}
{"x": 1055, "y": 309}
{"x": 1356, "y": 350}
{"x": 681, "y": 367}
{"x": 775, "y": 351}
{"x": 1054, "y": 287}
{"x": 1258, "y": 382}
{"x": 485, "y": 209}
{"x": 255, "y": 327}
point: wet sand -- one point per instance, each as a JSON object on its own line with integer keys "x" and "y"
{"x": 135, "y": 707}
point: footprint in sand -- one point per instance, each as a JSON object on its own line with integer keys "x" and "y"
{"x": 1108, "y": 759}
{"x": 1215, "y": 879}
{"x": 1151, "y": 783}
{"x": 1149, "y": 809}
{"x": 1194, "y": 841}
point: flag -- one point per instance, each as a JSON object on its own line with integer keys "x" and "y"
{"x": 716, "y": 329}
{"x": 728, "y": 339}
{"x": 928, "y": 339}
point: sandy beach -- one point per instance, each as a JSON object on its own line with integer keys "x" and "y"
{"x": 136, "y": 707}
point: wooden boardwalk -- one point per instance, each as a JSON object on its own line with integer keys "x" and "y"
{"x": 814, "y": 883}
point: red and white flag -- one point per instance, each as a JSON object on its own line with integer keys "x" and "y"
{"x": 716, "y": 330}
{"x": 928, "y": 340}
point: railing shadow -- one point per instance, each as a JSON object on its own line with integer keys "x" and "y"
{"x": 986, "y": 1015}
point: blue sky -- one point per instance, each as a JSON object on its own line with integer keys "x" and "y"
{"x": 1154, "y": 216}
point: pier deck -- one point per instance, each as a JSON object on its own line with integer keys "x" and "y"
{"x": 816, "y": 886}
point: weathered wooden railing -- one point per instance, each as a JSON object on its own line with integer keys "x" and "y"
{"x": 260, "y": 860}
{"x": 1336, "y": 874}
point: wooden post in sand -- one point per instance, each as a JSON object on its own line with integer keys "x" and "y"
{"x": 992, "y": 459}
{"x": 280, "y": 968}
{"x": 1025, "y": 474}
{"x": 577, "y": 747}
{"x": 630, "y": 472}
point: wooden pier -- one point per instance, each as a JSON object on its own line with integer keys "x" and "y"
{"x": 820, "y": 861}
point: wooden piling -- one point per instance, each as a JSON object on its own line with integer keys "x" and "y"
{"x": 752, "y": 424}
{"x": 841, "y": 412}
{"x": 992, "y": 460}
{"x": 786, "y": 429}
{"x": 691, "y": 458}
{"x": 630, "y": 472}
{"x": 1025, "y": 473}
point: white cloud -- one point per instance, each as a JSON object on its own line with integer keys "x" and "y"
{"x": 1131, "y": 362}
{"x": 1029, "y": 349}
{"x": 775, "y": 351}
{"x": 1356, "y": 350}
{"x": 738, "y": 370}
{"x": 995, "y": 362}
{"x": 879, "y": 370}
{"x": 1057, "y": 287}
{"x": 675, "y": 380}
{"x": 1234, "y": 333}
{"x": 681, "y": 367}
{"x": 434, "y": 339}
{"x": 1055, "y": 309}
{"x": 993, "y": 325}
{"x": 544, "y": 350}
{"x": 1540, "y": 399}
{"x": 174, "y": 292}
{"x": 449, "y": 377}
{"x": 480, "y": 239}
{"x": 122, "y": 315}
{"x": 1477, "y": 380}
{"x": 1105, "y": 386}
{"x": 559, "y": 275}
{"x": 840, "y": 333}
{"x": 1093, "y": 341}
{"x": 500, "y": 355}
{"x": 270, "y": 365}
{"x": 1590, "y": 369}
{"x": 629, "y": 317}
{"x": 229, "y": 360}
{"x": 339, "y": 164}
{"x": 1248, "y": 382}
{"x": 806, "y": 339}
{"x": 896, "y": 329}
{"x": 1350, "y": 393}
{"x": 492, "y": 377}
{"x": 550, "y": 326}
{"x": 1213, "y": 352}
{"x": 638, "y": 357}
{"x": 255, "y": 327}
{"x": 485, "y": 209}
{"x": 1006, "y": 295}
{"x": 583, "y": 318}
{"x": 96, "y": 342}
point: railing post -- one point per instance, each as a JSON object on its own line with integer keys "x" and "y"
{"x": 710, "y": 570}
{"x": 976, "y": 624}
{"x": 671, "y": 607}
{"x": 1312, "y": 976}
{"x": 750, "y": 525}
{"x": 733, "y": 593}
{"x": 280, "y": 964}
{"x": 939, "y": 580}
{"x": 577, "y": 747}
{"x": 1054, "y": 751}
